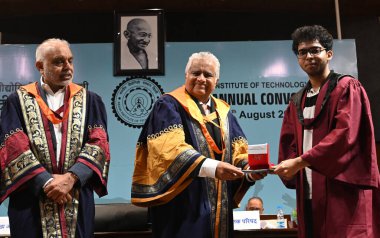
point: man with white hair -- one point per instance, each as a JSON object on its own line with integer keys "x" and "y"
{"x": 189, "y": 158}
{"x": 255, "y": 204}
{"x": 54, "y": 150}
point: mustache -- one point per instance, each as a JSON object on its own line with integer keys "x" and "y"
{"x": 144, "y": 43}
{"x": 67, "y": 72}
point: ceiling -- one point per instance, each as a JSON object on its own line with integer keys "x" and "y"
{"x": 11, "y": 8}
{"x": 91, "y": 21}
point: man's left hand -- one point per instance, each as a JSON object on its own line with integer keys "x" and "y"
{"x": 58, "y": 189}
{"x": 288, "y": 168}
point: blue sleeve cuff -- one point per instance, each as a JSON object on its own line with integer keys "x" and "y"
{"x": 83, "y": 172}
{"x": 38, "y": 181}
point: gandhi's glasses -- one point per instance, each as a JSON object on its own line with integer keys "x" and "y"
{"x": 302, "y": 53}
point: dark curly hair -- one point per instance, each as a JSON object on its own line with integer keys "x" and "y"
{"x": 312, "y": 33}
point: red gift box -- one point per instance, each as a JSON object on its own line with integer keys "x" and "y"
{"x": 258, "y": 156}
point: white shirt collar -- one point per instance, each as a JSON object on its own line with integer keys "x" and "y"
{"x": 208, "y": 103}
{"x": 313, "y": 91}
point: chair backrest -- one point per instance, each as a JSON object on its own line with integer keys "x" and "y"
{"x": 114, "y": 217}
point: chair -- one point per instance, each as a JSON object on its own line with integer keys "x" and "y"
{"x": 115, "y": 217}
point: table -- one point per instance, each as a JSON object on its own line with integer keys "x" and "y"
{"x": 262, "y": 233}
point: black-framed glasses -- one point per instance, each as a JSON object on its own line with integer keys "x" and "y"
{"x": 302, "y": 53}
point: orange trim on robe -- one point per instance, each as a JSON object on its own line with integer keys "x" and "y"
{"x": 176, "y": 189}
{"x": 32, "y": 89}
{"x": 192, "y": 109}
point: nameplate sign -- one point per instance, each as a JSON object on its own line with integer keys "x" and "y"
{"x": 4, "y": 226}
{"x": 246, "y": 220}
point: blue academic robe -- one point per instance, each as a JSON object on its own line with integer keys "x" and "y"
{"x": 173, "y": 144}
{"x": 27, "y": 155}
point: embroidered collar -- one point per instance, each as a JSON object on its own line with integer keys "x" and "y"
{"x": 32, "y": 89}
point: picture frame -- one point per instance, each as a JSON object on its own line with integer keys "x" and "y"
{"x": 139, "y": 43}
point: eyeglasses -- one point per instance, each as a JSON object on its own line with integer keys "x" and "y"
{"x": 302, "y": 53}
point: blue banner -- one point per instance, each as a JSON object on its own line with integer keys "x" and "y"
{"x": 256, "y": 78}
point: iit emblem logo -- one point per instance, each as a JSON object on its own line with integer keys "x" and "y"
{"x": 133, "y": 99}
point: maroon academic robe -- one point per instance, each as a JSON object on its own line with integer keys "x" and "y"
{"x": 345, "y": 174}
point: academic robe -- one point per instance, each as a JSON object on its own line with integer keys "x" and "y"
{"x": 173, "y": 144}
{"x": 28, "y": 160}
{"x": 345, "y": 175}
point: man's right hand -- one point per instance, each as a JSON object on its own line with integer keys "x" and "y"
{"x": 226, "y": 171}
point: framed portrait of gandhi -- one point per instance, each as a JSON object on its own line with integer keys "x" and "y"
{"x": 139, "y": 45}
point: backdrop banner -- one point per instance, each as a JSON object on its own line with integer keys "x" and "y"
{"x": 256, "y": 78}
